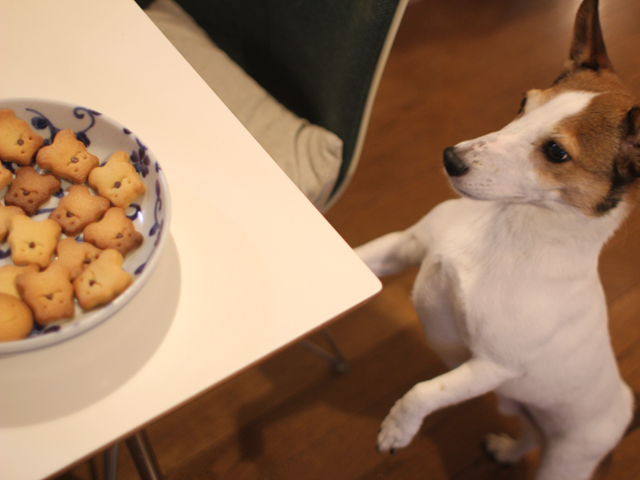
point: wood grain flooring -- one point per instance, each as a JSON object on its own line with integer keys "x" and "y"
{"x": 457, "y": 70}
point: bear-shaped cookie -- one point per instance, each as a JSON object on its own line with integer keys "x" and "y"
{"x": 30, "y": 189}
{"x": 18, "y": 143}
{"x": 102, "y": 281}
{"x": 76, "y": 255}
{"x": 49, "y": 293}
{"x": 67, "y": 157}
{"x": 115, "y": 230}
{"x": 32, "y": 241}
{"x": 117, "y": 180}
{"x": 78, "y": 209}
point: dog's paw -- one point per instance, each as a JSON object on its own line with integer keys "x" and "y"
{"x": 398, "y": 429}
{"x": 503, "y": 448}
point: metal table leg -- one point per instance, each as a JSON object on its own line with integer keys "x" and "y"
{"x": 143, "y": 456}
{"x": 336, "y": 358}
{"x": 111, "y": 463}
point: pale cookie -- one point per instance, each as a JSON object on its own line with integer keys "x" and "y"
{"x": 115, "y": 231}
{"x": 30, "y": 190}
{"x": 32, "y": 241}
{"x": 49, "y": 293}
{"x": 102, "y": 281}
{"x": 18, "y": 143}
{"x": 67, "y": 157}
{"x": 5, "y": 214}
{"x": 16, "y": 319}
{"x": 8, "y": 275}
{"x": 76, "y": 255}
{"x": 117, "y": 180}
{"x": 5, "y": 177}
{"x": 78, "y": 209}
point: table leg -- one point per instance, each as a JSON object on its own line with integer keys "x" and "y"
{"x": 336, "y": 358}
{"x": 143, "y": 456}
{"x": 111, "y": 463}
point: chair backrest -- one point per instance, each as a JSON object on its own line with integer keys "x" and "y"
{"x": 322, "y": 59}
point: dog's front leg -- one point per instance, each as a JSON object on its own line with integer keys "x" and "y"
{"x": 471, "y": 379}
{"x": 392, "y": 253}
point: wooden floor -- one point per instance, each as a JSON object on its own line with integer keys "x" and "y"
{"x": 457, "y": 70}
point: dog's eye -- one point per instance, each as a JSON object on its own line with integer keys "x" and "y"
{"x": 522, "y": 104}
{"x": 555, "y": 153}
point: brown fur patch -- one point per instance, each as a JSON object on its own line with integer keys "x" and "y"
{"x": 593, "y": 138}
{"x": 589, "y": 81}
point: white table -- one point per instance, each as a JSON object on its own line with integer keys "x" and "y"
{"x": 250, "y": 265}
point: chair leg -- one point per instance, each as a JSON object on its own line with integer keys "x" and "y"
{"x": 334, "y": 356}
{"x": 143, "y": 456}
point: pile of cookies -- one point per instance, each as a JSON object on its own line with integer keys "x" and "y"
{"x": 50, "y": 268}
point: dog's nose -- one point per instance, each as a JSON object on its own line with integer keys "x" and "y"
{"x": 454, "y": 165}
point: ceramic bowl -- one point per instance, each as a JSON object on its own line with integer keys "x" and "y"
{"x": 150, "y": 213}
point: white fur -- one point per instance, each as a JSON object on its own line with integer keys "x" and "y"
{"x": 509, "y": 295}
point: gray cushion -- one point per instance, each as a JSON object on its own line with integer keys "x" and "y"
{"x": 309, "y": 154}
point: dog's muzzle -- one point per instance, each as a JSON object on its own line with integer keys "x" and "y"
{"x": 454, "y": 165}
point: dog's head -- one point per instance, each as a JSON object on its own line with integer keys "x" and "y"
{"x": 576, "y": 143}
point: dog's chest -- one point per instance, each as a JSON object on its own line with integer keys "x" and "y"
{"x": 490, "y": 280}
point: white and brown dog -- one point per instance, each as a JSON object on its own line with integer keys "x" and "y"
{"x": 508, "y": 290}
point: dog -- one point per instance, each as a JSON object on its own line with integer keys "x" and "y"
{"x": 508, "y": 291}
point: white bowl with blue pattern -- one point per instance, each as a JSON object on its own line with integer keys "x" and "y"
{"x": 150, "y": 213}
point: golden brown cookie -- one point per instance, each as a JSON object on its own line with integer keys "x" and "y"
{"x": 8, "y": 275}
{"x": 30, "y": 190}
{"x": 117, "y": 180}
{"x": 5, "y": 177}
{"x": 16, "y": 319}
{"x": 67, "y": 157}
{"x": 115, "y": 231}
{"x": 49, "y": 293}
{"x": 102, "y": 281}
{"x": 78, "y": 209}
{"x": 76, "y": 255}
{"x": 32, "y": 241}
{"x": 5, "y": 214}
{"x": 18, "y": 143}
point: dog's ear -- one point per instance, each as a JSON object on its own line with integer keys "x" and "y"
{"x": 587, "y": 48}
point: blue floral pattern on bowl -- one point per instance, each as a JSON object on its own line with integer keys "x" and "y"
{"x": 150, "y": 213}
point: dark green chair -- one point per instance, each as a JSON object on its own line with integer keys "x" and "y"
{"x": 322, "y": 59}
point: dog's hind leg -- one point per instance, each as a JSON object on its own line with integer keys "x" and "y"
{"x": 569, "y": 459}
{"x": 392, "y": 253}
{"x": 576, "y": 455}
{"x": 505, "y": 449}
{"x": 473, "y": 378}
